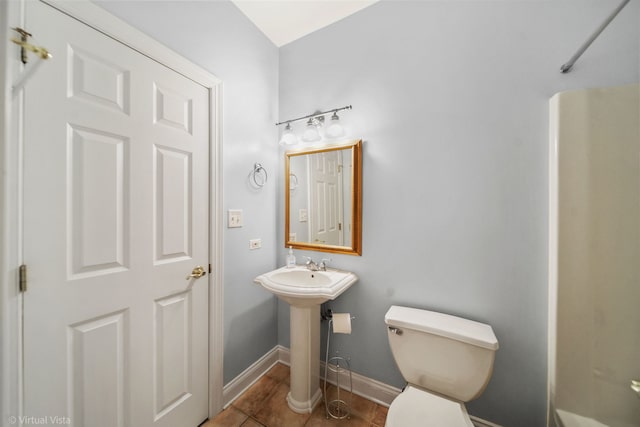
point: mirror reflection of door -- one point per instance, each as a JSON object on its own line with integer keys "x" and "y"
{"x": 323, "y": 198}
{"x": 326, "y": 222}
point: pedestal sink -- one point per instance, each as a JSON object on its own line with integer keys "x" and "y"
{"x": 305, "y": 290}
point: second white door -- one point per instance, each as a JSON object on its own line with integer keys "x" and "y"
{"x": 325, "y": 198}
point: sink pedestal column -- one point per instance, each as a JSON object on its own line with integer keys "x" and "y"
{"x": 305, "y": 290}
{"x": 305, "y": 392}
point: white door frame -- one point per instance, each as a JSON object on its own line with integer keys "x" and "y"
{"x": 11, "y": 395}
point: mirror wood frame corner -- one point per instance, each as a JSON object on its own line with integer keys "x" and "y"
{"x": 354, "y": 147}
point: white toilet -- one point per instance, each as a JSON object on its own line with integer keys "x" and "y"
{"x": 446, "y": 361}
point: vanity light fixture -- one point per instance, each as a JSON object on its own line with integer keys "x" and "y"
{"x": 311, "y": 132}
{"x": 288, "y": 137}
{"x": 335, "y": 128}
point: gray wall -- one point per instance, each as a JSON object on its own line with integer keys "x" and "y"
{"x": 219, "y": 38}
{"x": 451, "y": 99}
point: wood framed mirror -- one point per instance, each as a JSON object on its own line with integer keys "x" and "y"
{"x": 323, "y": 198}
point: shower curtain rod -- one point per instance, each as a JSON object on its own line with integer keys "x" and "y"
{"x": 569, "y": 64}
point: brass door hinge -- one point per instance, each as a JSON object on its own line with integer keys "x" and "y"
{"x": 22, "y": 278}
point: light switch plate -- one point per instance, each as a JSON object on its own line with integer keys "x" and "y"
{"x": 303, "y": 216}
{"x": 234, "y": 218}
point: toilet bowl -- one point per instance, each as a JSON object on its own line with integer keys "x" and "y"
{"x": 415, "y": 407}
{"x": 446, "y": 361}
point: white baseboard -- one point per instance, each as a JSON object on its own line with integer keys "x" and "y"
{"x": 362, "y": 386}
{"x": 366, "y": 387}
{"x": 249, "y": 376}
{"x": 479, "y": 422}
{"x": 284, "y": 355}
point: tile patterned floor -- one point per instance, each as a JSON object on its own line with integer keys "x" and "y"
{"x": 264, "y": 404}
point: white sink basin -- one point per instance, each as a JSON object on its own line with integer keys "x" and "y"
{"x": 300, "y": 278}
{"x": 305, "y": 290}
{"x": 301, "y": 287}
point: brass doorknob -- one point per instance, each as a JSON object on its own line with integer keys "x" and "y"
{"x": 196, "y": 273}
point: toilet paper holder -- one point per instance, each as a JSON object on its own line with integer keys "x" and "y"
{"x": 328, "y": 314}
{"x": 339, "y": 366}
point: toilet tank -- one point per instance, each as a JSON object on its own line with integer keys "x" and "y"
{"x": 446, "y": 354}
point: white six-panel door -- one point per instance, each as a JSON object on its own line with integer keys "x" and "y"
{"x": 325, "y": 198}
{"x": 116, "y": 171}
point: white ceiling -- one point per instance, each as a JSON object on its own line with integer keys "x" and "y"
{"x": 284, "y": 21}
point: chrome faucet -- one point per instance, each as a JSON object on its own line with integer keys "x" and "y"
{"x": 311, "y": 264}
{"x": 323, "y": 264}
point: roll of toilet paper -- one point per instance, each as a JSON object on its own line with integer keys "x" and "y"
{"x": 341, "y": 323}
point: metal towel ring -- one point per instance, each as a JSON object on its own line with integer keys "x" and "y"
{"x": 259, "y": 175}
{"x": 293, "y": 181}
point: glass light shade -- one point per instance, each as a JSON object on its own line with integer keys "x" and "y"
{"x": 288, "y": 137}
{"x": 311, "y": 133}
{"x": 335, "y": 128}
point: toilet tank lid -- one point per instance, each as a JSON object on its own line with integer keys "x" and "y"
{"x": 441, "y": 324}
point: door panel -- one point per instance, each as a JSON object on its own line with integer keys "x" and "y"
{"x": 173, "y": 204}
{"x": 172, "y": 358}
{"x": 116, "y": 150}
{"x": 97, "y": 376}
{"x": 326, "y": 205}
{"x": 173, "y": 109}
{"x": 97, "y": 80}
{"x": 97, "y": 178}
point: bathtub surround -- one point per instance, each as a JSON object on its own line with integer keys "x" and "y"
{"x": 451, "y": 100}
{"x": 594, "y": 235}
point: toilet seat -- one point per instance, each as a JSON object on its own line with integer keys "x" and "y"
{"x": 419, "y": 408}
